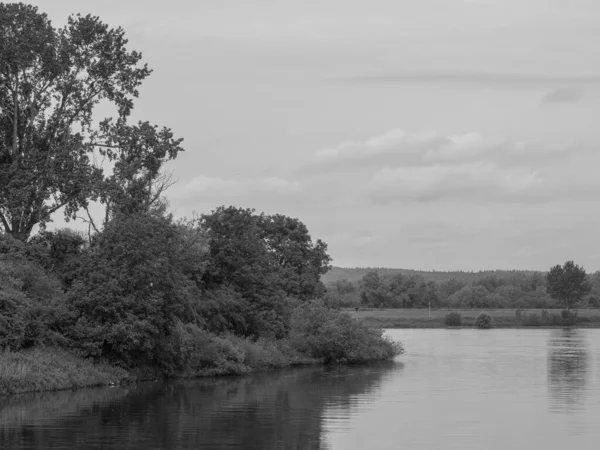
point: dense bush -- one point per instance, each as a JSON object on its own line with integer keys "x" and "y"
{"x": 334, "y": 336}
{"x": 132, "y": 289}
{"x": 32, "y": 307}
{"x": 191, "y": 351}
{"x": 569, "y": 317}
{"x": 453, "y": 319}
{"x": 531, "y": 320}
{"x": 483, "y": 321}
{"x": 545, "y": 319}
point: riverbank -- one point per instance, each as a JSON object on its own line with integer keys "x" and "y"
{"x": 51, "y": 369}
{"x": 502, "y": 318}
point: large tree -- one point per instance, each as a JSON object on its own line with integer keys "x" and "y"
{"x": 264, "y": 260}
{"x": 51, "y": 80}
{"x": 567, "y": 283}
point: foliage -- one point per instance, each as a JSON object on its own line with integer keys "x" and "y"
{"x": 568, "y": 284}
{"x": 569, "y": 318}
{"x": 190, "y": 351}
{"x": 228, "y": 292}
{"x": 300, "y": 261}
{"x": 264, "y": 260}
{"x": 470, "y": 297}
{"x": 133, "y": 288}
{"x": 32, "y": 308}
{"x": 63, "y": 251}
{"x": 335, "y": 336}
{"x": 49, "y": 368}
{"x": 483, "y": 321}
{"x": 531, "y": 320}
{"x": 373, "y": 292}
{"x": 545, "y": 319}
{"x": 453, "y": 319}
{"x": 391, "y": 288}
{"x": 51, "y": 81}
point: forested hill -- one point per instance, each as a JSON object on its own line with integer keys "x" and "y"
{"x": 356, "y": 273}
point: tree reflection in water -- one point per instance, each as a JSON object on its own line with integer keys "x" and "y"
{"x": 568, "y": 370}
{"x": 282, "y": 410}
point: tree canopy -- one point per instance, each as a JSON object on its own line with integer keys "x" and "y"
{"x": 51, "y": 80}
{"x": 567, "y": 283}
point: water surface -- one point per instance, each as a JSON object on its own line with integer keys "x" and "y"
{"x": 453, "y": 389}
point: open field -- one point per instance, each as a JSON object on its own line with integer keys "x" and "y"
{"x": 420, "y": 318}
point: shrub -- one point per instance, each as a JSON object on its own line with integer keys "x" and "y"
{"x": 569, "y": 318}
{"x": 265, "y": 354}
{"x": 335, "y": 336}
{"x": 483, "y": 321}
{"x": 531, "y": 320}
{"x": 32, "y": 306}
{"x": 190, "y": 351}
{"x": 519, "y": 314}
{"x": 453, "y": 319}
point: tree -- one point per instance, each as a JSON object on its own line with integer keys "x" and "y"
{"x": 567, "y": 284}
{"x": 373, "y": 292}
{"x": 134, "y": 287}
{"x": 265, "y": 259}
{"x": 301, "y": 261}
{"x": 50, "y": 82}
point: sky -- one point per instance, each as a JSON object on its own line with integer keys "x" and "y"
{"x": 417, "y": 134}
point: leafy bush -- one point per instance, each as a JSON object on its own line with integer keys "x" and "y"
{"x": 334, "y": 336}
{"x": 569, "y": 317}
{"x": 264, "y": 354}
{"x": 531, "y": 320}
{"x": 133, "y": 289}
{"x": 546, "y": 318}
{"x": 483, "y": 321}
{"x": 453, "y": 319}
{"x": 190, "y": 351}
{"x": 32, "y": 307}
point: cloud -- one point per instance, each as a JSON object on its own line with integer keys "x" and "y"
{"x": 209, "y": 188}
{"x": 563, "y": 95}
{"x": 393, "y": 144}
{"x": 398, "y": 166}
{"x": 477, "y": 180}
{"x": 395, "y": 147}
{"x": 486, "y": 78}
{"x": 398, "y": 148}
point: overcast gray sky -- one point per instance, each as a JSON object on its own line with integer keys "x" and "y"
{"x": 423, "y": 134}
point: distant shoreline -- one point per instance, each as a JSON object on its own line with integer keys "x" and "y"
{"x": 501, "y": 318}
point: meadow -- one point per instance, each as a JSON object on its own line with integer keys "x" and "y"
{"x": 422, "y": 318}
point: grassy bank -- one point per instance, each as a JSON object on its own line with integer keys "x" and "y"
{"x": 51, "y": 369}
{"x": 318, "y": 335}
{"x": 420, "y": 318}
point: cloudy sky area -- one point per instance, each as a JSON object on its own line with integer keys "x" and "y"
{"x": 424, "y": 134}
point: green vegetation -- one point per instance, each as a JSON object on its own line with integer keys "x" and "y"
{"x": 43, "y": 369}
{"x": 568, "y": 284}
{"x": 453, "y": 319}
{"x": 501, "y": 318}
{"x": 391, "y": 288}
{"x": 483, "y": 321}
{"x": 141, "y": 294}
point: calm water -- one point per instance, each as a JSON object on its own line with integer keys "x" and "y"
{"x": 454, "y": 389}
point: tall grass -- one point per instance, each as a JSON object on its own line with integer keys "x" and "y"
{"x": 48, "y": 369}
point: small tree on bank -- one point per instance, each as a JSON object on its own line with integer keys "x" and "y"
{"x": 567, "y": 284}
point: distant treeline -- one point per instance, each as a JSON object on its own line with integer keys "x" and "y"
{"x": 398, "y": 288}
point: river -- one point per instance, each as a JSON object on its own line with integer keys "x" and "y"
{"x": 453, "y": 389}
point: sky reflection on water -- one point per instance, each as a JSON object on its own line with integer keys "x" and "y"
{"x": 454, "y": 389}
